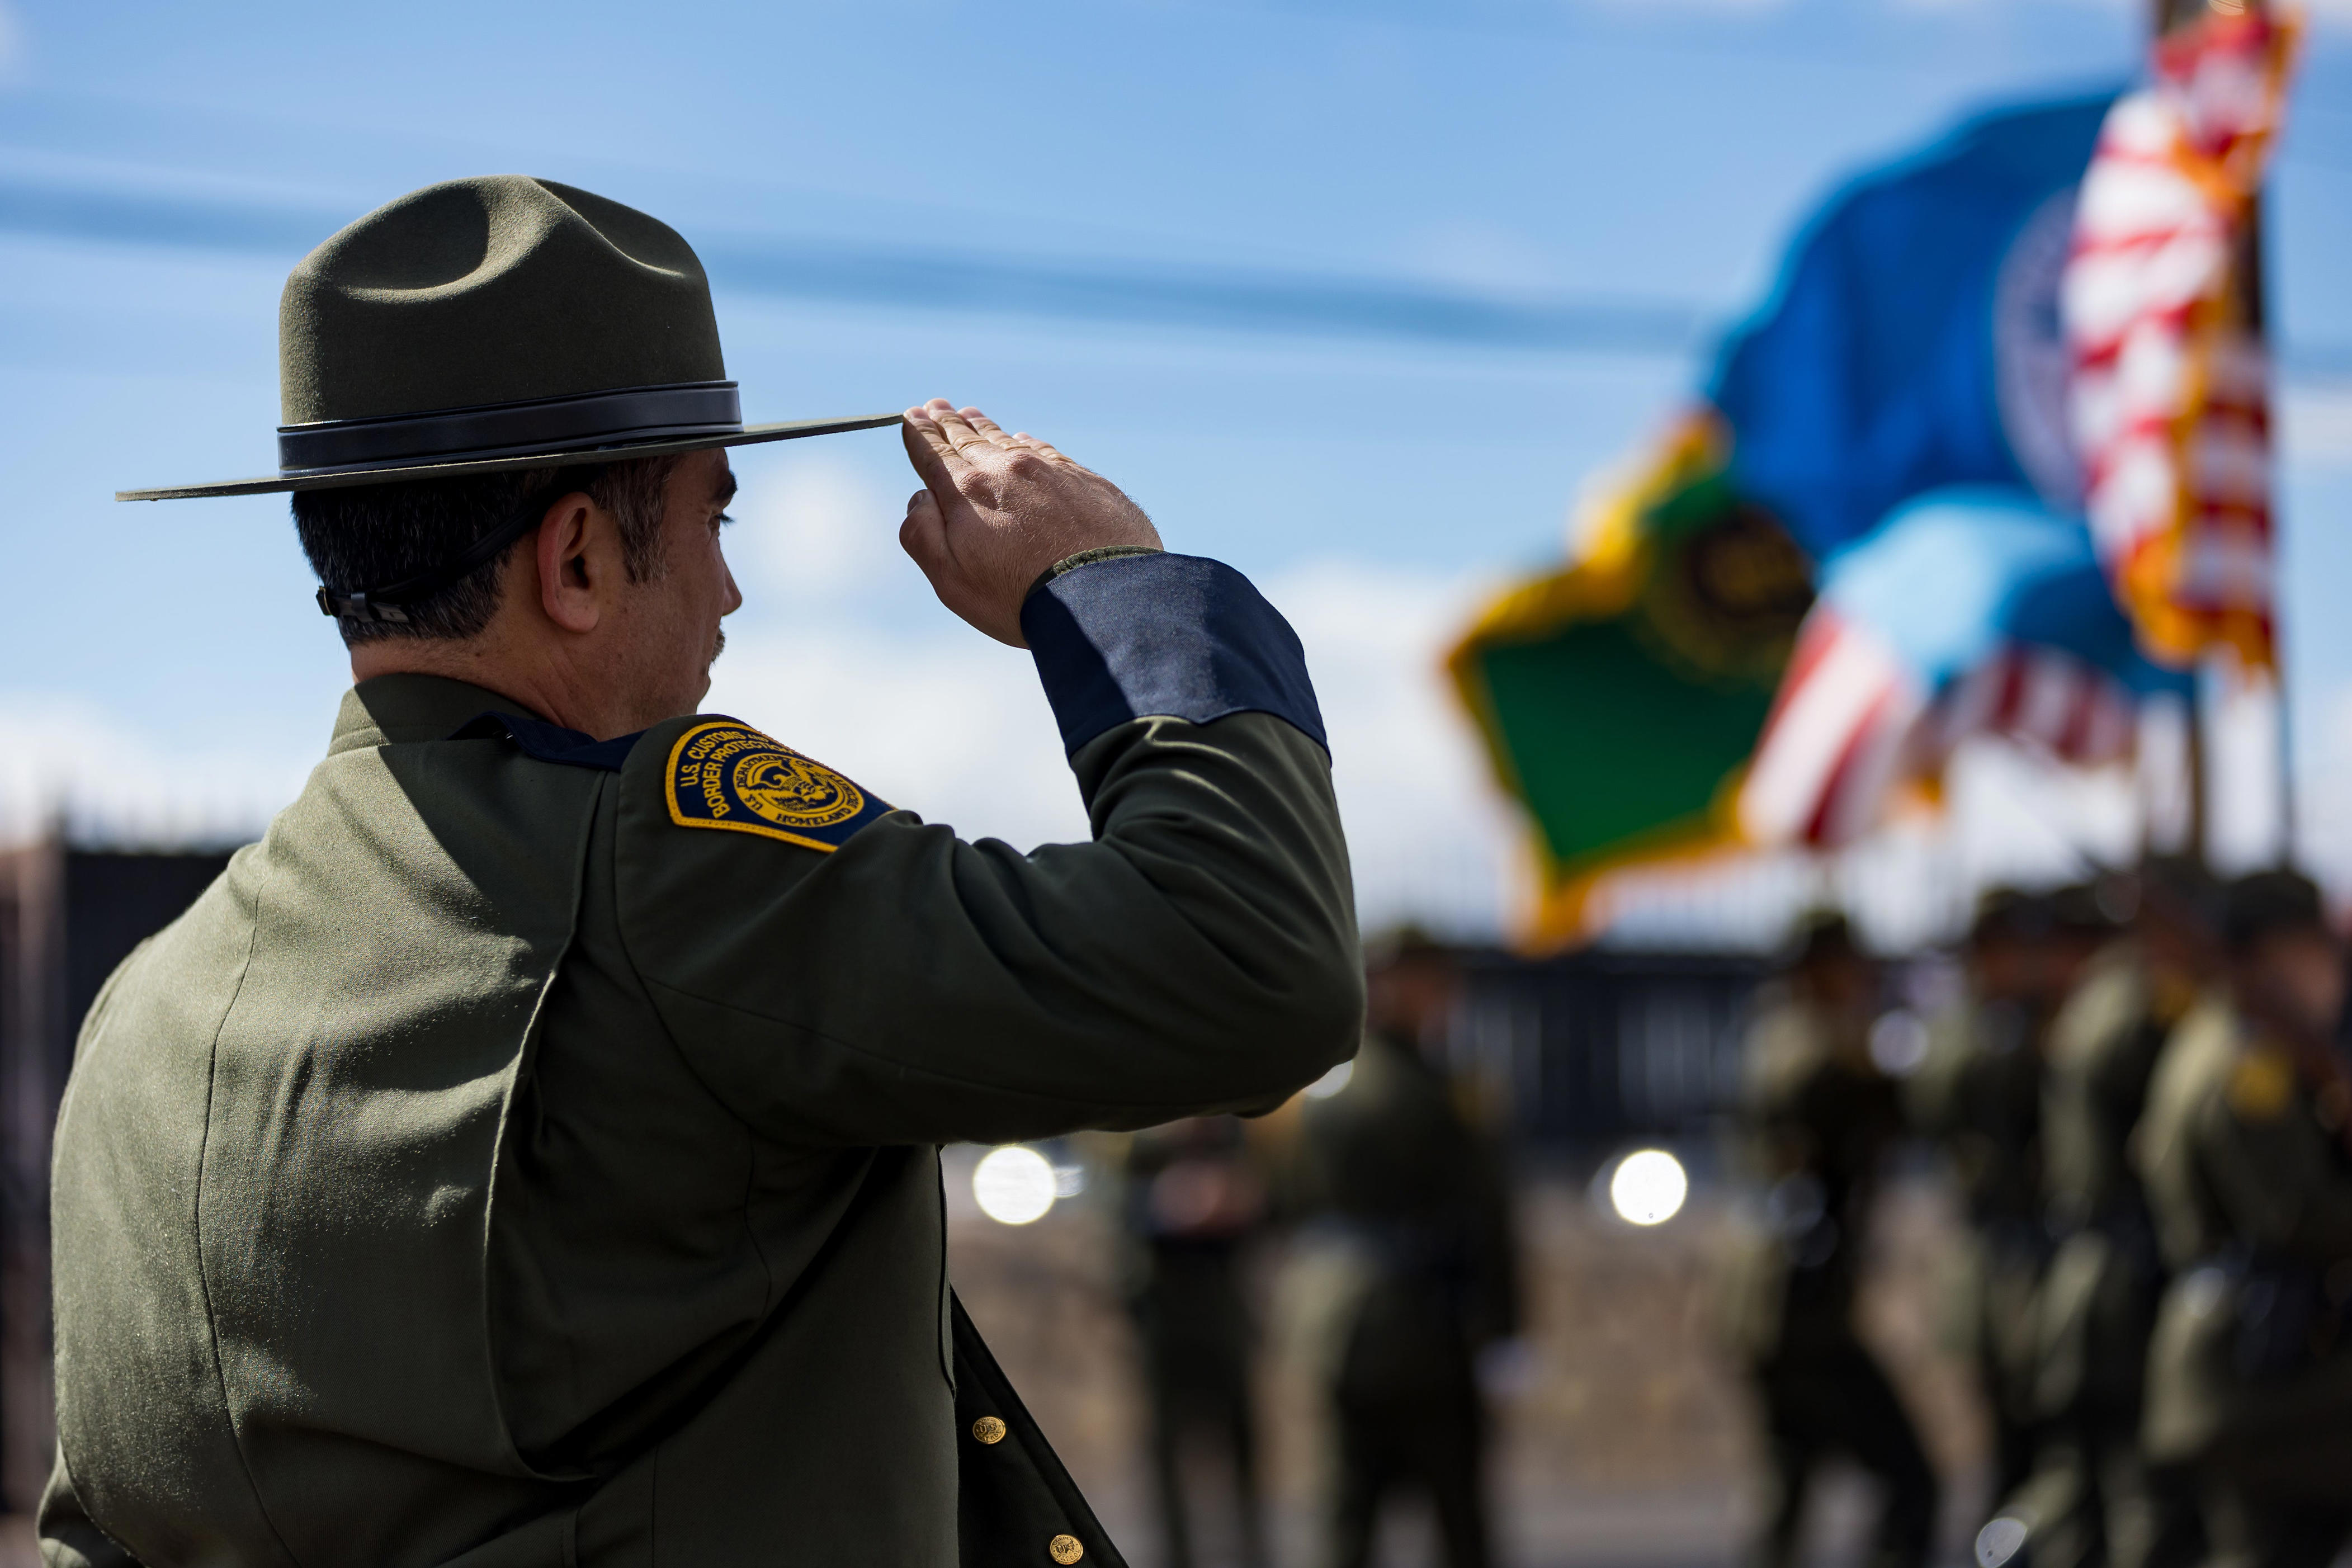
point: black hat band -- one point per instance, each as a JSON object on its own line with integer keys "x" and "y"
{"x": 585, "y": 421}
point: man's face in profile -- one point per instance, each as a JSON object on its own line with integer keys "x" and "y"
{"x": 671, "y": 623}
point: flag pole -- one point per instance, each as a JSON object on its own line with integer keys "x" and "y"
{"x": 2167, "y": 15}
{"x": 2253, "y": 306}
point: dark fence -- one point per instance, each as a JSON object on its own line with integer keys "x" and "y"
{"x": 1596, "y": 1048}
{"x": 67, "y": 917}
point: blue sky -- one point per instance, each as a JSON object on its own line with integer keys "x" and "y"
{"x": 1008, "y": 205}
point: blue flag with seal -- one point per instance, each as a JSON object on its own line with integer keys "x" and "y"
{"x": 1913, "y": 342}
{"x": 1900, "y": 406}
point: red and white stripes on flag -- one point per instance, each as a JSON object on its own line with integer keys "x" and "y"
{"x": 2170, "y": 392}
{"x": 2049, "y": 701}
{"x": 1853, "y": 722}
{"x": 1833, "y": 744}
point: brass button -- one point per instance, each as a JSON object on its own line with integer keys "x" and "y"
{"x": 989, "y": 1429}
{"x": 1064, "y": 1550}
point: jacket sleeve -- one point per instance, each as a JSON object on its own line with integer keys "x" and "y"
{"x": 2269, "y": 1167}
{"x": 1199, "y": 954}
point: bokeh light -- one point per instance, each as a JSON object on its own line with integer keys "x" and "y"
{"x": 1648, "y": 1187}
{"x": 1013, "y": 1185}
{"x": 1332, "y": 1082}
{"x": 1998, "y": 1542}
{"x": 1899, "y": 1043}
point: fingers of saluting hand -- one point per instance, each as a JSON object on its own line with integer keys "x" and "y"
{"x": 983, "y": 427}
{"x": 954, "y": 440}
{"x": 973, "y": 433}
{"x": 928, "y": 449}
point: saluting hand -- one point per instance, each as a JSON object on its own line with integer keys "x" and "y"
{"x": 995, "y": 511}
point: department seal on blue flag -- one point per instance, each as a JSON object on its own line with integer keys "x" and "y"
{"x": 1913, "y": 341}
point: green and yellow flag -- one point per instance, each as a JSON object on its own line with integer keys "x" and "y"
{"x": 1620, "y": 698}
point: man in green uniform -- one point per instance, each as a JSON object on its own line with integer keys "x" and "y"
{"x": 1978, "y": 1095}
{"x": 1397, "y": 1178}
{"x": 528, "y": 1152}
{"x": 1195, "y": 1202}
{"x": 1819, "y": 1118}
{"x": 2093, "y": 1496}
{"x": 2243, "y": 1151}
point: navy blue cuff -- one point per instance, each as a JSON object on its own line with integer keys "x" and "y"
{"x": 1145, "y": 636}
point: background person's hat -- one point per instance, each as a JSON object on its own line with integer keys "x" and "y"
{"x": 496, "y": 324}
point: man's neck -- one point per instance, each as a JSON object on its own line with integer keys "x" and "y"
{"x": 476, "y": 665}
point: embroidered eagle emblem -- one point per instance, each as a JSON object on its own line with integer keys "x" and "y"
{"x": 726, "y": 774}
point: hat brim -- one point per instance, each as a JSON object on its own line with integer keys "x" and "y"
{"x": 750, "y": 434}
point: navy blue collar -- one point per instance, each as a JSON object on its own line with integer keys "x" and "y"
{"x": 549, "y": 743}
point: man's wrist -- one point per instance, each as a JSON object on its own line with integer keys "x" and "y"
{"x": 1088, "y": 558}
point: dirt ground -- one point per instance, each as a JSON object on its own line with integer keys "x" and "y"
{"x": 1627, "y": 1441}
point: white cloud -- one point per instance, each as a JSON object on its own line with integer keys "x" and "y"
{"x": 813, "y": 528}
{"x": 1430, "y": 839}
{"x": 64, "y": 760}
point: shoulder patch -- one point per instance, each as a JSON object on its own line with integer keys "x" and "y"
{"x": 728, "y": 775}
{"x": 2260, "y": 1084}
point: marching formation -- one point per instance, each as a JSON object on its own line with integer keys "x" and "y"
{"x": 2143, "y": 1103}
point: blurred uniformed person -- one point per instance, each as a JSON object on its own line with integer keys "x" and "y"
{"x": 1978, "y": 1095}
{"x": 2093, "y": 1496}
{"x": 2243, "y": 1151}
{"x": 1395, "y": 1176}
{"x": 1819, "y": 1118}
{"x": 1194, "y": 1203}
{"x": 528, "y": 1152}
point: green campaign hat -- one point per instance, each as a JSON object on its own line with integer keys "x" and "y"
{"x": 494, "y": 323}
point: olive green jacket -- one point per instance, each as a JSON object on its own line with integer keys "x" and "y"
{"x": 2250, "y": 1368}
{"x": 527, "y": 1152}
{"x": 1817, "y": 1121}
{"x": 1393, "y": 1175}
{"x": 2096, "y": 1305}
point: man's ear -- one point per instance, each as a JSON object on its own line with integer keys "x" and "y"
{"x": 567, "y": 576}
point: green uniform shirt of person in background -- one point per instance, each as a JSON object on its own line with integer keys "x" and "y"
{"x": 1819, "y": 1119}
{"x": 1978, "y": 1095}
{"x": 2250, "y": 1369}
{"x": 2243, "y": 1150}
{"x": 2093, "y": 1495}
{"x": 528, "y": 1152}
{"x": 1406, "y": 1262}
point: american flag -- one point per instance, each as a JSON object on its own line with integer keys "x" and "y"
{"x": 2170, "y": 389}
{"x": 1852, "y": 724}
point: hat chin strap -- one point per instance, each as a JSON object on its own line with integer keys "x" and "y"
{"x": 386, "y": 603}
